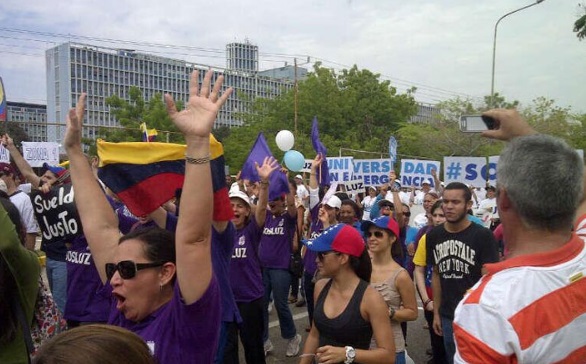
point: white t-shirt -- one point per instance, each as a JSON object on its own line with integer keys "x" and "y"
{"x": 24, "y": 205}
{"x": 303, "y": 195}
{"x": 487, "y": 210}
{"x": 367, "y": 204}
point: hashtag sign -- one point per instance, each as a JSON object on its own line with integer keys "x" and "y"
{"x": 453, "y": 170}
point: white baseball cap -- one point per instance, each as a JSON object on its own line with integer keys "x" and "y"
{"x": 241, "y": 195}
{"x": 299, "y": 176}
{"x": 334, "y": 201}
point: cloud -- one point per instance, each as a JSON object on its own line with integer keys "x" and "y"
{"x": 444, "y": 48}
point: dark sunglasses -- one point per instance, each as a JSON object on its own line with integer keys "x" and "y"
{"x": 408, "y": 214}
{"x": 322, "y": 255}
{"x": 377, "y": 234}
{"x": 128, "y": 268}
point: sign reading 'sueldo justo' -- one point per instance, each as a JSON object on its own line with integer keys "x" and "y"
{"x": 57, "y": 214}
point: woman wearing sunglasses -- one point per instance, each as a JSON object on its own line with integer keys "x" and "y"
{"x": 162, "y": 285}
{"x": 348, "y": 312}
{"x": 389, "y": 278}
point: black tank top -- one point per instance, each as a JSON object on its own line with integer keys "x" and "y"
{"x": 347, "y": 329}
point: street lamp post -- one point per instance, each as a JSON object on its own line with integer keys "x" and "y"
{"x": 494, "y": 46}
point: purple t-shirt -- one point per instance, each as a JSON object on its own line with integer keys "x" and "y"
{"x": 179, "y": 333}
{"x": 315, "y": 230}
{"x": 245, "y": 271}
{"x": 88, "y": 300}
{"x": 275, "y": 244}
{"x": 222, "y": 248}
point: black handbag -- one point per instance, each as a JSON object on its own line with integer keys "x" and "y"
{"x": 296, "y": 265}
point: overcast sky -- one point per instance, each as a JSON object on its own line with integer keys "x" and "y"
{"x": 442, "y": 47}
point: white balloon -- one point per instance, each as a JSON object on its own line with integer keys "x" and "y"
{"x": 285, "y": 140}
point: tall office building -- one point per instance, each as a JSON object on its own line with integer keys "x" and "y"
{"x": 242, "y": 57}
{"x": 74, "y": 68}
{"x": 32, "y": 118}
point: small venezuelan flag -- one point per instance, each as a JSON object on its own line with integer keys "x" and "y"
{"x": 148, "y": 135}
{"x": 146, "y": 175}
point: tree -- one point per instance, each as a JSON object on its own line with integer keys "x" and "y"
{"x": 16, "y": 132}
{"x": 580, "y": 24}
{"x": 130, "y": 114}
{"x": 442, "y": 137}
{"x": 354, "y": 108}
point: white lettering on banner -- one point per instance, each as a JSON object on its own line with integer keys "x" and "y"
{"x": 78, "y": 257}
{"x": 374, "y": 172}
{"x": 468, "y": 170}
{"x": 4, "y": 155}
{"x": 38, "y": 153}
{"x": 414, "y": 171}
{"x": 239, "y": 253}
{"x": 274, "y": 231}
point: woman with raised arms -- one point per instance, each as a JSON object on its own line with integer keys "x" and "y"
{"x": 163, "y": 288}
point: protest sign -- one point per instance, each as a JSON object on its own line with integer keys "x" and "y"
{"x": 493, "y": 161}
{"x": 374, "y": 172}
{"x": 468, "y": 170}
{"x": 4, "y": 155}
{"x": 38, "y": 153}
{"x": 341, "y": 169}
{"x": 356, "y": 185}
{"x": 414, "y": 171}
{"x": 57, "y": 214}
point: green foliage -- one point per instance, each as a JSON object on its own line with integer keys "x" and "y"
{"x": 580, "y": 24}
{"x": 17, "y": 133}
{"x": 355, "y": 110}
{"x": 442, "y": 137}
{"x": 130, "y": 114}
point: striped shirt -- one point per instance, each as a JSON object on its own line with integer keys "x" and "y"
{"x": 528, "y": 309}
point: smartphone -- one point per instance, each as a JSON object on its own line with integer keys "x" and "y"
{"x": 476, "y": 123}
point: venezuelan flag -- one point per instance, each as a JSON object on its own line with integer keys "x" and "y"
{"x": 148, "y": 135}
{"x": 2, "y": 101}
{"x": 146, "y": 175}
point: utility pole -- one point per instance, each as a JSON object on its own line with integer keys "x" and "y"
{"x": 295, "y": 95}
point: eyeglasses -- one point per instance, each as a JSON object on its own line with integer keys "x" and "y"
{"x": 377, "y": 234}
{"x": 386, "y": 207}
{"x": 322, "y": 255}
{"x": 128, "y": 268}
{"x": 407, "y": 214}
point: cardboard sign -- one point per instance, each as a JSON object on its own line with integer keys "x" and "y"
{"x": 414, "y": 171}
{"x": 56, "y": 214}
{"x": 38, "y": 153}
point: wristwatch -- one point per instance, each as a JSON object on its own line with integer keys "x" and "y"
{"x": 350, "y": 355}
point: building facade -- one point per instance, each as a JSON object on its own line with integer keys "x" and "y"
{"x": 32, "y": 118}
{"x": 73, "y": 68}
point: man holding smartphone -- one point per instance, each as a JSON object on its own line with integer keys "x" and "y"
{"x": 530, "y": 308}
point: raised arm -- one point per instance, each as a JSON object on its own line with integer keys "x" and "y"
{"x": 397, "y": 203}
{"x": 269, "y": 165}
{"x": 193, "y": 235}
{"x": 100, "y": 224}
{"x": 313, "y": 183}
{"x": 21, "y": 163}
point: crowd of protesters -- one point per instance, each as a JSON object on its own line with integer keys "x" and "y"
{"x": 178, "y": 286}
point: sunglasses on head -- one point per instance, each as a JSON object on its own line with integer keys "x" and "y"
{"x": 128, "y": 268}
{"x": 322, "y": 255}
{"x": 377, "y": 234}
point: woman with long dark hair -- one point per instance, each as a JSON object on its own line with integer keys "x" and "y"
{"x": 162, "y": 285}
{"x": 348, "y": 312}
